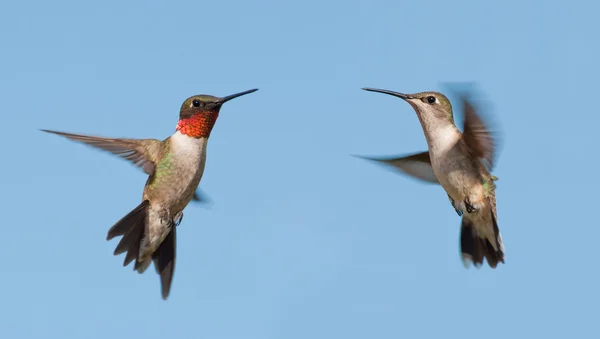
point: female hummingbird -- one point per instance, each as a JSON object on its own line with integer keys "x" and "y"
{"x": 461, "y": 163}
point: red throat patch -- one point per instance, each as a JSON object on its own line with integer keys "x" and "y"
{"x": 199, "y": 125}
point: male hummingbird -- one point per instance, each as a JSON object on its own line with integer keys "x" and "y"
{"x": 461, "y": 163}
{"x": 175, "y": 167}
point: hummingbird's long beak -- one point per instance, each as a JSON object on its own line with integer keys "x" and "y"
{"x": 385, "y": 91}
{"x": 229, "y": 97}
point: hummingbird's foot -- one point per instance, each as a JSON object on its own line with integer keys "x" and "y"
{"x": 177, "y": 219}
{"x": 170, "y": 220}
{"x": 470, "y": 207}
{"x": 165, "y": 216}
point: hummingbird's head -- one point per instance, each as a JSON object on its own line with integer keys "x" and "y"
{"x": 430, "y": 106}
{"x": 199, "y": 113}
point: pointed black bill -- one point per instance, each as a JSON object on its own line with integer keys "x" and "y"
{"x": 233, "y": 96}
{"x": 385, "y": 91}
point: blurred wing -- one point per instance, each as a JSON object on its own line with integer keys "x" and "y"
{"x": 201, "y": 197}
{"x": 416, "y": 165}
{"x": 478, "y": 136}
{"x": 143, "y": 153}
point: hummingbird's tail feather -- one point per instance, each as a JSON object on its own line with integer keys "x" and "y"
{"x": 164, "y": 262}
{"x": 131, "y": 227}
{"x": 479, "y": 238}
{"x": 142, "y": 265}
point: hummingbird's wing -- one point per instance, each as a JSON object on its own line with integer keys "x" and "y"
{"x": 142, "y": 152}
{"x": 201, "y": 197}
{"x": 164, "y": 262}
{"x": 478, "y": 136}
{"x": 416, "y": 165}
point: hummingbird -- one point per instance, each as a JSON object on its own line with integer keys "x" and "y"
{"x": 461, "y": 163}
{"x": 174, "y": 167}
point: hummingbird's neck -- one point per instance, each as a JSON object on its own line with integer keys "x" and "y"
{"x": 441, "y": 137}
{"x": 198, "y": 125}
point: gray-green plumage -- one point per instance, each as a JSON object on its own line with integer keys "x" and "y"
{"x": 461, "y": 163}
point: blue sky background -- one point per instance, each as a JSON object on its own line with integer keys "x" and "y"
{"x": 302, "y": 240}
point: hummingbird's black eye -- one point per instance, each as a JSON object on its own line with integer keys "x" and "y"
{"x": 431, "y": 99}
{"x": 196, "y": 103}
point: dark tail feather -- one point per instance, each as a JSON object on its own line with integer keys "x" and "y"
{"x": 164, "y": 261}
{"x": 131, "y": 227}
{"x": 475, "y": 248}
